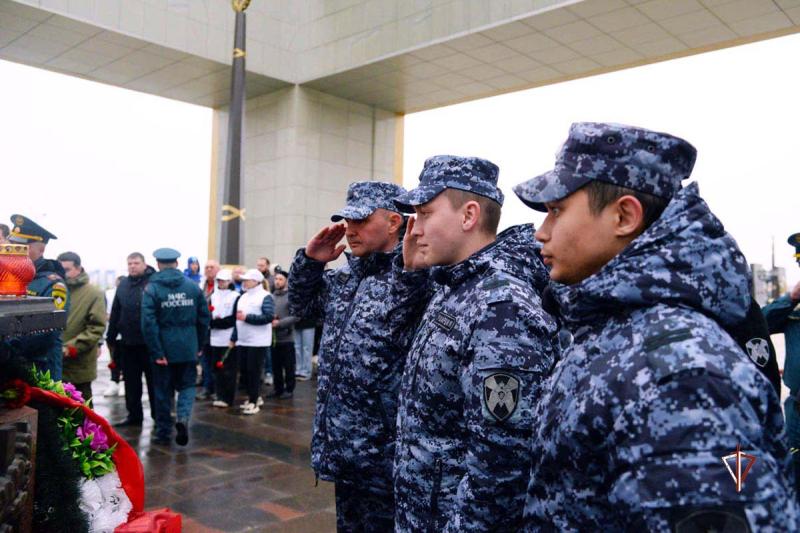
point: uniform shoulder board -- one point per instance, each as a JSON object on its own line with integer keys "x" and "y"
{"x": 498, "y": 286}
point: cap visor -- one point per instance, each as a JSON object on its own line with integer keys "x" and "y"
{"x": 548, "y": 187}
{"x": 421, "y": 195}
{"x": 352, "y": 212}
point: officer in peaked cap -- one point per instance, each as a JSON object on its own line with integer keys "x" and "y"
{"x": 367, "y": 325}
{"x": 794, "y": 240}
{"x": 44, "y": 349}
{"x": 783, "y": 316}
{"x": 166, "y": 255}
{"x": 478, "y": 359}
{"x": 653, "y": 393}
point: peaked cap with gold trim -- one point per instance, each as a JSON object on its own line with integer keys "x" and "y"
{"x": 26, "y": 231}
{"x": 794, "y": 240}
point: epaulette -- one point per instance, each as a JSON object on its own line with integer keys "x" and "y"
{"x": 498, "y": 286}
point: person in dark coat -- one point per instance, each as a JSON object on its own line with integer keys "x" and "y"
{"x": 124, "y": 338}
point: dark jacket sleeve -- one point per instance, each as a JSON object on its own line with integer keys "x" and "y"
{"x": 203, "y": 318}
{"x": 113, "y": 321}
{"x": 777, "y": 313}
{"x": 235, "y": 332}
{"x": 746, "y": 333}
{"x": 223, "y": 323}
{"x": 267, "y": 312}
{"x": 308, "y": 287}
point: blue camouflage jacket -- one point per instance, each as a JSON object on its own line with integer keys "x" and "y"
{"x": 652, "y": 394}
{"x": 363, "y": 348}
{"x": 471, "y": 381}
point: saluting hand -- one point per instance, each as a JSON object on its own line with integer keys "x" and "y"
{"x": 412, "y": 259}
{"x": 323, "y": 246}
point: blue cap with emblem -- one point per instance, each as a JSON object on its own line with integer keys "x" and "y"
{"x": 166, "y": 255}
{"x": 639, "y": 159}
{"x": 27, "y": 231}
{"x": 440, "y": 172}
{"x": 364, "y": 197}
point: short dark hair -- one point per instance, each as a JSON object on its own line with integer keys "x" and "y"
{"x": 490, "y": 210}
{"x": 136, "y": 255}
{"x": 265, "y": 259}
{"x": 602, "y": 194}
{"x": 72, "y": 257}
{"x": 5, "y": 231}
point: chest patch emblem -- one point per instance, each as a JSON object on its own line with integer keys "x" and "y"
{"x": 501, "y": 395}
{"x": 445, "y": 321}
{"x": 342, "y": 277}
{"x": 758, "y": 350}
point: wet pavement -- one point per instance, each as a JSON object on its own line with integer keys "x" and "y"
{"x": 238, "y": 473}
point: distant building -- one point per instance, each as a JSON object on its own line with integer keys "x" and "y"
{"x": 768, "y": 284}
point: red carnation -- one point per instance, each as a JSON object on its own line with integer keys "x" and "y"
{"x": 16, "y": 393}
{"x": 220, "y": 365}
{"x": 210, "y": 308}
{"x": 72, "y": 352}
{"x": 112, "y": 365}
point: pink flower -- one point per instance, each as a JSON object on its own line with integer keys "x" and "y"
{"x": 99, "y": 440}
{"x": 72, "y": 392}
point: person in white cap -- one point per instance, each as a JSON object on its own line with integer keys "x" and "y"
{"x": 221, "y": 304}
{"x": 252, "y": 334}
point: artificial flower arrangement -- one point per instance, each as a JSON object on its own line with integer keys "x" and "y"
{"x": 111, "y": 485}
{"x": 103, "y": 498}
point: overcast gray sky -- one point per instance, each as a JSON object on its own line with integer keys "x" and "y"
{"x": 738, "y": 107}
{"x": 110, "y": 170}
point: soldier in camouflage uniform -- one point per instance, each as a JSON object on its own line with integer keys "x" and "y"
{"x": 362, "y": 352}
{"x": 476, "y": 363}
{"x": 652, "y": 394}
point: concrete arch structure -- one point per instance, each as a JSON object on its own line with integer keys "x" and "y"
{"x": 329, "y": 81}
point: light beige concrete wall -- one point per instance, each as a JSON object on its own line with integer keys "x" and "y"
{"x": 200, "y": 27}
{"x": 344, "y": 34}
{"x": 301, "y": 150}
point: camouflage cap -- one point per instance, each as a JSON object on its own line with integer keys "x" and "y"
{"x": 639, "y": 159}
{"x": 440, "y": 172}
{"x": 364, "y": 197}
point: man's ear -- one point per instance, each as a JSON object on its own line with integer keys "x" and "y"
{"x": 628, "y": 216}
{"x": 470, "y": 214}
{"x": 395, "y": 222}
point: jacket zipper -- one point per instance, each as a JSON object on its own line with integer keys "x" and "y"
{"x": 437, "y": 485}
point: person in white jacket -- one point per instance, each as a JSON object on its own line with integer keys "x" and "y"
{"x": 221, "y": 304}
{"x": 252, "y": 334}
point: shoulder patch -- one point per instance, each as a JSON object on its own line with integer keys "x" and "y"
{"x": 59, "y": 294}
{"x": 444, "y": 320}
{"x": 501, "y": 395}
{"x": 758, "y": 350}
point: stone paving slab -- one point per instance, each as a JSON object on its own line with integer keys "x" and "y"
{"x": 238, "y": 473}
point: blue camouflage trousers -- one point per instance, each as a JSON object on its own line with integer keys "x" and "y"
{"x": 360, "y": 509}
